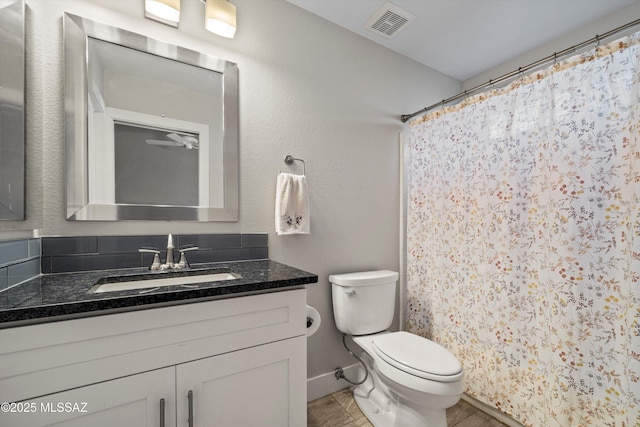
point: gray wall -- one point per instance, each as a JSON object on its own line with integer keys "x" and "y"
{"x": 307, "y": 88}
{"x": 618, "y": 18}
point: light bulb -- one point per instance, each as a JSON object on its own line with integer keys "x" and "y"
{"x": 220, "y": 18}
{"x": 165, "y": 11}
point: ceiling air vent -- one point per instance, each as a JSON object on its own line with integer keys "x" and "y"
{"x": 389, "y": 20}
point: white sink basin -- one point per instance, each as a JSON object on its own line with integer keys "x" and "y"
{"x": 158, "y": 282}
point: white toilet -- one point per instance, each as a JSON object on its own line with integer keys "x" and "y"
{"x": 412, "y": 380}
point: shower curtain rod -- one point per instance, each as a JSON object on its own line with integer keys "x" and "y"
{"x": 555, "y": 56}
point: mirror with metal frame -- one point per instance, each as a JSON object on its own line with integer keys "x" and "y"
{"x": 151, "y": 128}
{"x": 12, "y": 129}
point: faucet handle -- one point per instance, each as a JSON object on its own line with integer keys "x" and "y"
{"x": 182, "y": 263}
{"x": 155, "y": 265}
{"x": 149, "y": 250}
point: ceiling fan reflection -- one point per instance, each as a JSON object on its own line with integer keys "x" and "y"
{"x": 174, "y": 140}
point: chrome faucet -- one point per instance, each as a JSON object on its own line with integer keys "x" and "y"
{"x": 169, "y": 262}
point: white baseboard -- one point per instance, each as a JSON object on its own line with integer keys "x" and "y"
{"x": 325, "y": 384}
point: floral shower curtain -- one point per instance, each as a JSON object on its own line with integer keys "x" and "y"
{"x": 523, "y": 241}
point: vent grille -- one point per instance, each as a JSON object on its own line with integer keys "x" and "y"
{"x": 389, "y": 20}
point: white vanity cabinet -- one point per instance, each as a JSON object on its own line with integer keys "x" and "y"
{"x": 133, "y": 401}
{"x": 261, "y": 386}
{"x": 233, "y": 362}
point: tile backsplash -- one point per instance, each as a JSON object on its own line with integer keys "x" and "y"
{"x": 19, "y": 261}
{"x": 82, "y": 253}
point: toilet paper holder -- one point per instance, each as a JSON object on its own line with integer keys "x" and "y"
{"x": 313, "y": 321}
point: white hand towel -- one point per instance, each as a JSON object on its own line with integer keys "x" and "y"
{"x": 292, "y": 204}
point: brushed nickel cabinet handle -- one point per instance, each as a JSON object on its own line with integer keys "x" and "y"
{"x": 162, "y": 412}
{"x": 190, "y": 398}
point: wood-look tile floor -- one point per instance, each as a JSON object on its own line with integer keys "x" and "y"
{"x": 340, "y": 410}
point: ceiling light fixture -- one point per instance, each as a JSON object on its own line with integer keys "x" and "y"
{"x": 220, "y": 18}
{"x": 165, "y": 11}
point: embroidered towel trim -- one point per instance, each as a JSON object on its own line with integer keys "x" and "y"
{"x": 292, "y": 204}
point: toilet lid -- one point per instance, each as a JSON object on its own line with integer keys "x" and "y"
{"x": 418, "y": 356}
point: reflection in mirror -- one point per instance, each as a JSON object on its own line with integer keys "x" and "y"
{"x": 151, "y": 128}
{"x": 157, "y": 151}
{"x": 12, "y": 140}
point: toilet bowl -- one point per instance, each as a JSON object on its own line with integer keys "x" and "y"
{"x": 412, "y": 380}
{"x": 412, "y": 394}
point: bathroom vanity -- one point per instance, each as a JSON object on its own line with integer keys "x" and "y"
{"x": 216, "y": 354}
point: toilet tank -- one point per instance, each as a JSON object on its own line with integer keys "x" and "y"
{"x": 363, "y": 303}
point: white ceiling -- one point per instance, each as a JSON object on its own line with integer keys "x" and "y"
{"x": 463, "y": 38}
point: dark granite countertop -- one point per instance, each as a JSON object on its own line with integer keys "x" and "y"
{"x": 62, "y": 296}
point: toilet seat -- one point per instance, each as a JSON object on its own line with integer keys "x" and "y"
{"x": 418, "y": 356}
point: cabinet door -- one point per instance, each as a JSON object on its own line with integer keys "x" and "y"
{"x": 132, "y": 401}
{"x": 262, "y": 386}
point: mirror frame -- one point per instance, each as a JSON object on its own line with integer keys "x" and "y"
{"x": 77, "y": 31}
{"x": 12, "y": 20}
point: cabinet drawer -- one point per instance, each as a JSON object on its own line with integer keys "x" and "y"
{"x": 41, "y": 359}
